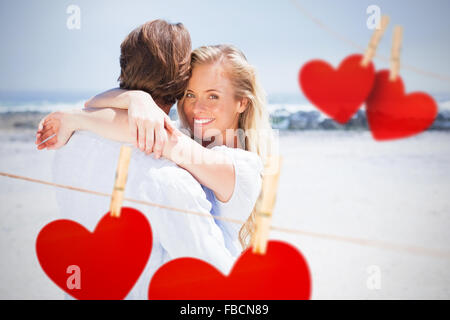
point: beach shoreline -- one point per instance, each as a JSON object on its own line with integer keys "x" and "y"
{"x": 13, "y": 122}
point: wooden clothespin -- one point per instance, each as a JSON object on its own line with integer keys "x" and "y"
{"x": 395, "y": 53}
{"x": 266, "y": 204}
{"x": 120, "y": 181}
{"x": 374, "y": 41}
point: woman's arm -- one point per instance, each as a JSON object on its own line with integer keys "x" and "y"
{"x": 146, "y": 119}
{"x": 211, "y": 168}
{"x": 113, "y": 98}
{"x": 106, "y": 122}
{"x": 110, "y": 123}
{"x": 216, "y": 172}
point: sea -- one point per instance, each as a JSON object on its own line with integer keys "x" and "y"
{"x": 281, "y": 106}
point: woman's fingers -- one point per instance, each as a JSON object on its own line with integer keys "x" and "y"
{"x": 149, "y": 139}
{"x": 44, "y": 136}
{"x": 168, "y": 124}
{"x": 141, "y": 135}
{"x": 50, "y": 144}
{"x": 133, "y": 130}
{"x": 160, "y": 140}
{"x": 41, "y": 124}
{"x": 151, "y": 135}
{"x": 44, "y": 133}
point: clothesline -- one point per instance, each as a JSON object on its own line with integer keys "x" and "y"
{"x": 358, "y": 47}
{"x": 360, "y": 241}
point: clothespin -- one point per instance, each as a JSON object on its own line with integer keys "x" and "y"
{"x": 120, "y": 181}
{"x": 374, "y": 41}
{"x": 395, "y": 53}
{"x": 266, "y": 204}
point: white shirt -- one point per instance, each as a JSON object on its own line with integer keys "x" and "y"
{"x": 247, "y": 186}
{"x": 248, "y": 170}
{"x": 89, "y": 161}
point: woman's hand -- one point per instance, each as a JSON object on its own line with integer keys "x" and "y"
{"x": 177, "y": 146}
{"x": 148, "y": 123}
{"x": 58, "y": 123}
{"x": 146, "y": 119}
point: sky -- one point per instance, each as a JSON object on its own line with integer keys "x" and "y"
{"x": 40, "y": 53}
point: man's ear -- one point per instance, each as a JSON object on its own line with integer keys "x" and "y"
{"x": 243, "y": 104}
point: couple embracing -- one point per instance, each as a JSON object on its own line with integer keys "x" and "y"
{"x": 209, "y": 161}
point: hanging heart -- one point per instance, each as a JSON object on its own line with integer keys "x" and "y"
{"x": 340, "y": 92}
{"x": 391, "y": 114}
{"x": 104, "y": 264}
{"x": 281, "y": 274}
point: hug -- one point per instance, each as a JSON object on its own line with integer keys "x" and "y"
{"x": 210, "y": 160}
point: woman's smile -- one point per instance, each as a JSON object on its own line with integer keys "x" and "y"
{"x": 202, "y": 121}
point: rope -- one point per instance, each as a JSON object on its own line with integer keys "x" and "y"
{"x": 353, "y": 44}
{"x": 359, "y": 241}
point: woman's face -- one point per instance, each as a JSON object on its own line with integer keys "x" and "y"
{"x": 210, "y": 105}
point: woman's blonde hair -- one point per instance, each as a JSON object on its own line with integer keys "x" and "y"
{"x": 254, "y": 121}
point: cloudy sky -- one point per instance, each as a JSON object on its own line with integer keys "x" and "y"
{"x": 39, "y": 53}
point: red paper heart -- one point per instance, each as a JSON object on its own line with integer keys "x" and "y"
{"x": 281, "y": 274}
{"x": 338, "y": 93}
{"x": 110, "y": 260}
{"x": 391, "y": 114}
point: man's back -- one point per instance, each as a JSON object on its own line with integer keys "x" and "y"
{"x": 89, "y": 161}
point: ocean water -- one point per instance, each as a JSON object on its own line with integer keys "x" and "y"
{"x": 53, "y": 101}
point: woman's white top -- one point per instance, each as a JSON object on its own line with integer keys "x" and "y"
{"x": 247, "y": 186}
{"x": 89, "y": 161}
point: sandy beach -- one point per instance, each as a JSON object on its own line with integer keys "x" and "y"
{"x": 332, "y": 183}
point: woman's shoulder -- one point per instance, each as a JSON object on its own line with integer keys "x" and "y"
{"x": 248, "y": 169}
{"x": 252, "y": 159}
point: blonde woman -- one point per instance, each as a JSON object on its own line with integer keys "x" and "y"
{"x": 228, "y": 132}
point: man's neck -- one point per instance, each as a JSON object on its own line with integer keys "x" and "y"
{"x": 166, "y": 108}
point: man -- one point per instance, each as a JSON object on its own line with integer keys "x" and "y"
{"x": 154, "y": 58}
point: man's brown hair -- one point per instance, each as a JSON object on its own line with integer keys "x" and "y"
{"x": 155, "y": 58}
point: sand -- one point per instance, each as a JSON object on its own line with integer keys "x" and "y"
{"x": 338, "y": 183}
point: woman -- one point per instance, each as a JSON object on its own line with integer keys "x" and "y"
{"x": 223, "y": 108}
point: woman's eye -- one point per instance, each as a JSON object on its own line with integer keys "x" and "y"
{"x": 213, "y": 96}
{"x": 189, "y": 95}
